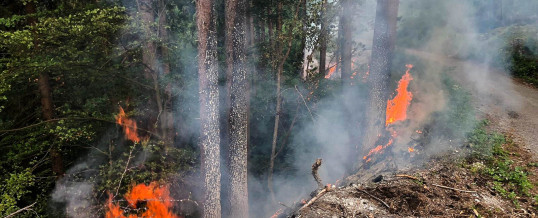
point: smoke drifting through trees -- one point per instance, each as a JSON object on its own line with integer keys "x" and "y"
{"x": 307, "y": 118}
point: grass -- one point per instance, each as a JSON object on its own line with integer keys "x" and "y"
{"x": 490, "y": 158}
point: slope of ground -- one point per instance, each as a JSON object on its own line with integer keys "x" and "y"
{"x": 510, "y": 105}
{"x": 446, "y": 187}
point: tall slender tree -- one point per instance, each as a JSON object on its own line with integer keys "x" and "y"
{"x": 45, "y": 92}
{"x": 347, "y": 41}
{"x": 209, "y": 102}
{"x": 237, "y": 86}
{"x": 156, "y": 65}
{"x": 323, "y": 34}
{"x": 381, "y": 60}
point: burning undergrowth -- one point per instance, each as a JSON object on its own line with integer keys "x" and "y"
{"x": 129, "y": 175}
{"x": 449, "y": 185}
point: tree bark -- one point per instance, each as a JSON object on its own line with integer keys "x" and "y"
{"x": 166, "y": 118}
{"x": 209, "y": 101}
{"x": 237, "y": 86}
{"x": 278, "y": 108}
{"x": 262, "y": 30}
{"x": 45, "y": 91}
{"x": 149, "y": 61}
{"x": 380, "y": 64}
{"x": 347, "y": 42}
{"x": 323, "y": 38}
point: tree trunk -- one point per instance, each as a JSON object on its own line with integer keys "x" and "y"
{"x": 149, "y": 61}
{"x": 278, "y": 109}
{"x": 237, "y": 86}
{"x": 209, "y": 102}
{"x": 270, "y": 26}
{"x": 45, "y": 91}
{"x": 380, "y": 64}
{"x": 323, "y": 39}
{"x": 262, "y": 30}
{"x": 347, "y": 42}
{"x": 166, "y": 118}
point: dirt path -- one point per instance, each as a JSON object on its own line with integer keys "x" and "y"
{"x": 510, "y": 105}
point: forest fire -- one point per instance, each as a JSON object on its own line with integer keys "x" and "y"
{"x": 333, "y": 68}
{"x": 331, "y": 71}
{"x": 396, "y": 111}
{"x": 397, "y": 107}
{"x": 156, "y": 198}
{"x": 129, "y": 126}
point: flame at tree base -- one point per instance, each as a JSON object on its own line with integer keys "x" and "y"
{"x": 397, "y": 107}
{"x": 396, "y": 111}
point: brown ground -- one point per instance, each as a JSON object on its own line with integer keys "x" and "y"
{"x": 416, "y": 193}
{"x": 511, "y": 107}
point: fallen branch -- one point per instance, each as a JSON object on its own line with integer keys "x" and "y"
{"x": 315, "y": 174}
{"x": 21, "y": 210}
{"x": 374, "y": 197}
{"x": 321, "y": 193}
{"x": 436, "y": 185}
{"x": 455, "y": 189}
{"x": 284, "y": 205}
{"x": 407, "y": 176}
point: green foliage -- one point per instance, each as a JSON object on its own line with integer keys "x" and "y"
{"x": 508, "y": 180}
{"x": 14, "y": 187}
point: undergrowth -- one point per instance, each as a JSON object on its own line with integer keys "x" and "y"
{"x": 491, "y": 159}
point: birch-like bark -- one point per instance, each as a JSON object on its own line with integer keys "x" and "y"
{"x": 209, "y": 102}
{"x": 237, "y": 86}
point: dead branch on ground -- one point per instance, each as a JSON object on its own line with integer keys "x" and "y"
{"x": 315, "y": 174}
{"x": 407, "y": 176}
{"x": 455, "y": 189}
{"x": 436, "y": 185}
{"x": 321, "y": 193}
{"x": 374, "y": 197}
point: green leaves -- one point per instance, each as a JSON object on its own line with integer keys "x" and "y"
{"x": 13, "y": 188}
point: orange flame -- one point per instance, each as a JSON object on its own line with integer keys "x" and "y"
{"x": 331, "y": 71}
{"x": 396, "y": 111}
{"x": 411, "y": 149}
{"x": 397, "y": 107}
{"x": 158, "y": 202}
{"x": 129, "y": 126}
{"x": 277, "y": 213}
{"x": 377, "y": 150}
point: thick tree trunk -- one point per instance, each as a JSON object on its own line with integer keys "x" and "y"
{"x": 347, "y": 42}
{"x": 380, "y": 64}
{"x": 323, "y": 39}
{"x": 47, "y": 108}
{"x": 209, "y": 102}
{"x": 237, "y": 86}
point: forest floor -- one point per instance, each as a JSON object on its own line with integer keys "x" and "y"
{"x": 448, "y": 186}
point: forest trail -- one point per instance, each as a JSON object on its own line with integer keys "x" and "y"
{"x": 510, "y": 105}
